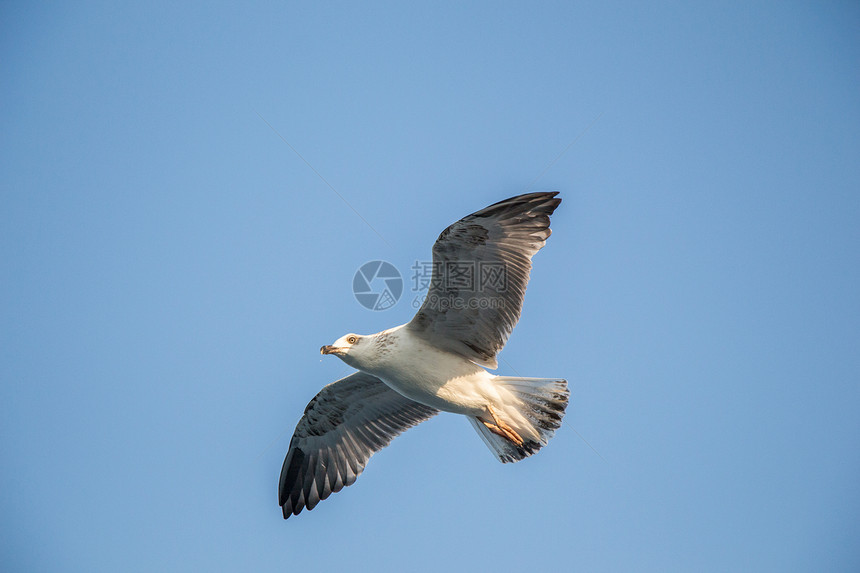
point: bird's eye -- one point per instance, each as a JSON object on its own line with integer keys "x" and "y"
{"x": 352, "y": 339}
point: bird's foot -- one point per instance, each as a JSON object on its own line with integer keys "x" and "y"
{"x": 502, "y": 429}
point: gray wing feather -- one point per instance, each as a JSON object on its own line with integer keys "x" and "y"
{"x": 475, "y": 318}
{"x": 342, "y": 427}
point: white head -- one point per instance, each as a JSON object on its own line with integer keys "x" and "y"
{"x": 351, "y": 348}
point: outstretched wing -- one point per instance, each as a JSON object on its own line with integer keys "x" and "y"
{"x": 342, "y": 427}
{"x": 481, "y": 268}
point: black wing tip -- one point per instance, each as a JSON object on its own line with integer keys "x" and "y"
{"x": 290, "y": 474}
{"x": 540, "y": 194}
{"x": 545, "y": 201}
{"x": 537, "y": 202}
{"x": 289, "y": 511}
{"x": 534, "y": 197}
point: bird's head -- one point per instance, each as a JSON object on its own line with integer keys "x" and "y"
{"x": 348, "y": 348}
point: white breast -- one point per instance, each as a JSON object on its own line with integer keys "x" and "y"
{"x": 431, "y": 376}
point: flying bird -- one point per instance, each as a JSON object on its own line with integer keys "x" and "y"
{"x": 436, "y": 362}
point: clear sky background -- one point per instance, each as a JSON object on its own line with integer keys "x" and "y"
{"x": 170, "y": 268}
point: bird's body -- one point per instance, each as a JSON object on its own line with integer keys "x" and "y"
{"x": 436, "y": 362}
{"x": 433, "y": 377}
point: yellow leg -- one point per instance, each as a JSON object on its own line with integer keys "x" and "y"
{"x": 501, "y": 429}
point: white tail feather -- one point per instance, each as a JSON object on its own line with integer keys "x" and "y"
{"x": 534, "y": 409}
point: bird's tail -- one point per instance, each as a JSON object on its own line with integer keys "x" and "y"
{"x": 531, "y": 407}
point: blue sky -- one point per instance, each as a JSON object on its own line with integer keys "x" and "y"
{"x": 170, "y": 268}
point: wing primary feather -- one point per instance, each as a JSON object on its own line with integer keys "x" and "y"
{"x": 342, "y": 427}
{"x": 505, "y": 235}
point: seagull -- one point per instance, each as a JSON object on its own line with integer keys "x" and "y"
{"x": 436, "y": 362}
